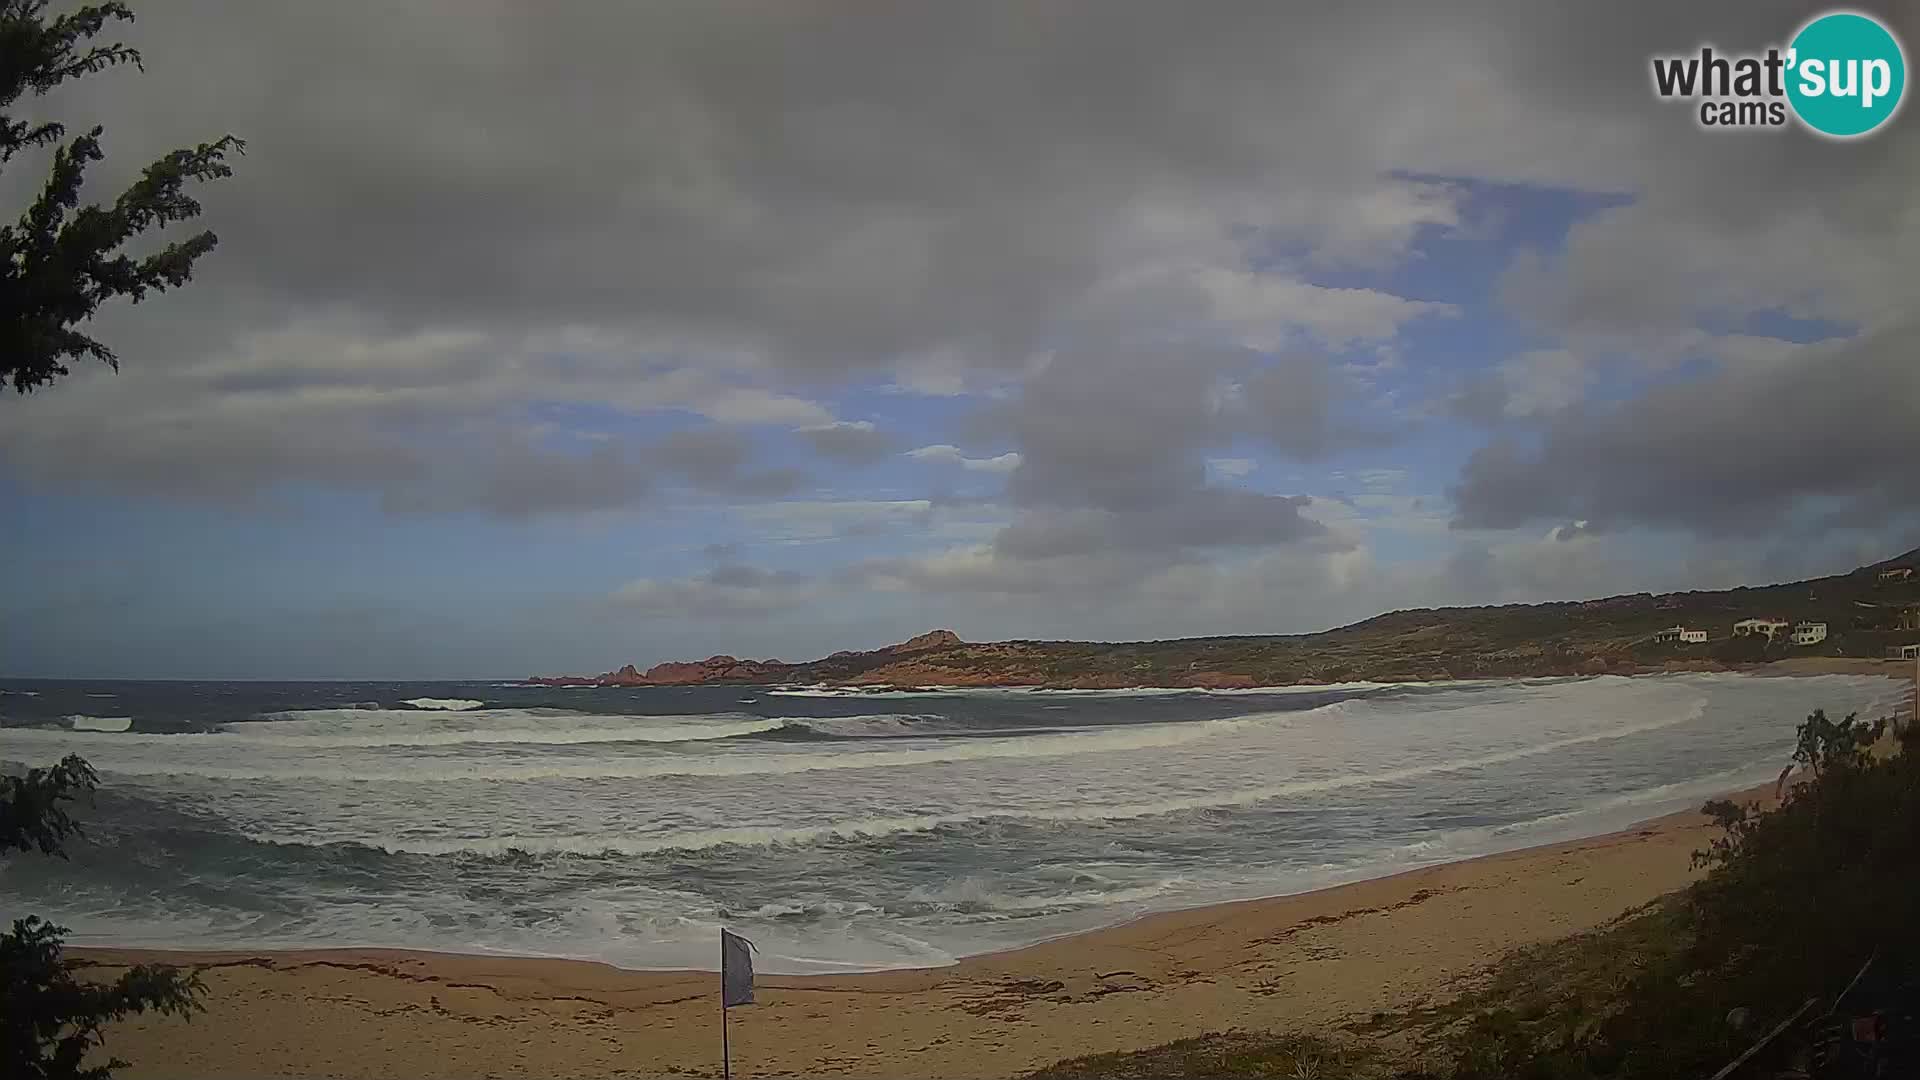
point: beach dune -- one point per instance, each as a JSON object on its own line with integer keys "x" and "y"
{"x": 1305, "y": 961}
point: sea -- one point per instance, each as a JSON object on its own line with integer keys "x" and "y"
{"x": 839, "y": 830}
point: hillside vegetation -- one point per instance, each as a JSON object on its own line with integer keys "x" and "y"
{"x": 1863, "y": 614}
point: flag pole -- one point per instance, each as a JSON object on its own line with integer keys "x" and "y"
{"x": 736, "y": 988}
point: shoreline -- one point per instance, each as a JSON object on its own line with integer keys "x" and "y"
{"x": 1785, "y": 667}
{"x": 1304, "y": 960}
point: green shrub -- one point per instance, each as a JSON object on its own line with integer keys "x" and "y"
{"x": 1794, "y": 901}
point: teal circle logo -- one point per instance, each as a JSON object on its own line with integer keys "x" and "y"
{"x": 1846, "y": 74}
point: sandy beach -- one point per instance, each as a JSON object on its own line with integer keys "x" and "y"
{"x": 1305, "y": 960}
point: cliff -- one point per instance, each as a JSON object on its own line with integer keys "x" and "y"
{"x": 1612, "y": 634}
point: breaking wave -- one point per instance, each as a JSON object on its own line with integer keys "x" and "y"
{"x": 868, "y": 828}
{"x": 841, "y": 834}
{"x": 348, "y": 729}
{"x": 445, "y": 704}
{"x": 1106, "y": 740}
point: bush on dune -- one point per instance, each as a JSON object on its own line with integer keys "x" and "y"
{"x": 1796, "y": 899}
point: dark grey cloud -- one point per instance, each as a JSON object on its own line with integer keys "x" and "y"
{"x": 521, "y": 480}
{"x": 726, "y": 208}
{"x": 1296, "y": 406}
{"x": 728, "y": 589}
{"x": 741, "y": 576}
{"x": 790, "y": 178}
{"x": 1830, "y": 429}
{"x": 414, "y": 464}
{"x": 1206, "y": 517}
{"x": 1481, "y": 400}
{"x": 1114, "y": 444}
{"x": 719, "y": 459}
{"x": 1119, "y": 428}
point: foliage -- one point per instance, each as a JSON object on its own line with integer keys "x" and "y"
{"x": 1794, "y": 901}
{"x": 1229, "y": 1056}
{"x": 1584, "y": 637}
{"x": 58, "y": 264}
{"x": 31, "y": 814}
{"x": 49, "y": 1021}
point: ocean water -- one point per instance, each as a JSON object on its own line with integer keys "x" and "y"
{"x": 839, "y": 830}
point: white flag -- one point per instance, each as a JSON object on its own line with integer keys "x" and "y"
{"x": 736, "y": 970}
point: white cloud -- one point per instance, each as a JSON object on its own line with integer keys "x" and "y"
{"x": 943, "y": 454}
{"x": 754, "y": 405}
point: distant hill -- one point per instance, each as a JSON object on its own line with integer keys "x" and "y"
{"x": 1866, "y": 613}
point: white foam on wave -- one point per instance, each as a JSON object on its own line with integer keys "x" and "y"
{"x": 349, "y": 729}
{"x": 959, "y": 895}
{"x": 972, "y": 896}
{"x": 875, "y": 726}
{"x": 523, "y": 736}
{"x": 1072, "y": 692}
{"x": 1094, "y": 740}
{"x": 444, "y": 704}
{"x": 1662, "y": 798}
{"x": 100, "y": 723}
{"x": 757, "y": 836}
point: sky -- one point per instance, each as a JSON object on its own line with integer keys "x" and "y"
{"x": 551, "y": 339}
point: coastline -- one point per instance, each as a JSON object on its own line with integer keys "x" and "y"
{"x": 1306, "y": 960}
{"x": 1309, "y": 961}
{"x": 1228, "y": 682}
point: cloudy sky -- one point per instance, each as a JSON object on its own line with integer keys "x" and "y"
{"x": 553, "y": 338}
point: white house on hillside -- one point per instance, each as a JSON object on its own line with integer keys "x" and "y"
{"x": 1693, "y": 637}
{"x": 1767, "y": 627}
{"x": 1896, "y": 573}
{"x": 1680, "y": 634}
{"x": 1809, "y": 633}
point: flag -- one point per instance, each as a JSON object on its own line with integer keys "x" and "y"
{"x": 736, "y": 970}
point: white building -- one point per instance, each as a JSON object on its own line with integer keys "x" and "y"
{"x": 1904, "y": 652}
{"x": 1809, "y": 633}
{"x": 1896, "y": 573}
{"x": 1767, "y": 627}
{"x": 1680, "y": 634}
{"x": 1693, "y": 637}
